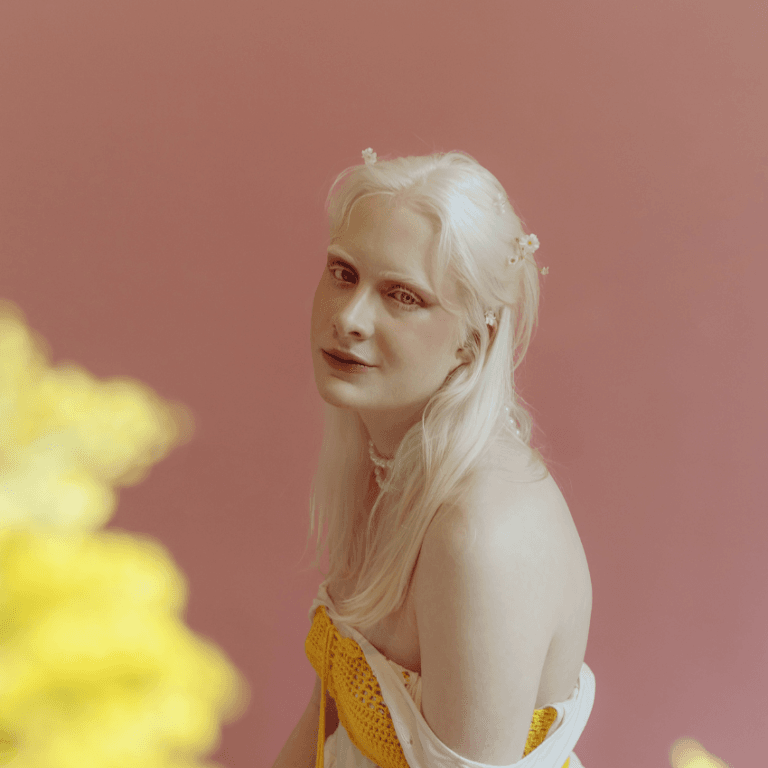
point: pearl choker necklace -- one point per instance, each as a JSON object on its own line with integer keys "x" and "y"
{"x": 382, "y": 466}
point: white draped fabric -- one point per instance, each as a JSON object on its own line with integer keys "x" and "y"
{"x": 421, "y": 747}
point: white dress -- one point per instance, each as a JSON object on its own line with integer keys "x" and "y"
{"x": 422, "y": 749}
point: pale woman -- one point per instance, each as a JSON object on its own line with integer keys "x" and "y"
{"x": 451, "y": 628}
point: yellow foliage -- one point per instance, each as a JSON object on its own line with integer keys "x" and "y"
{"x": 97, "y": 667}
{"x": 66, "y": 438}
{"x": 689, "y": 753}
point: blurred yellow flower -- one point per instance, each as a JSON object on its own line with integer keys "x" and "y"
{"x": 97, "y": 667}
{"x": 66, "y": 439}
{"x": 688, "y": 753}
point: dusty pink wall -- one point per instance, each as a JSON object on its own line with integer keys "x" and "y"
{"x": 162, "y": 171}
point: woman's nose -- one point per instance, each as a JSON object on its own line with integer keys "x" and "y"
{"x": 356, "y": 314}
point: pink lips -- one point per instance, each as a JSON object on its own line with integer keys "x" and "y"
{"x": 345, "y": 357}
{"x": 348, "y": 366}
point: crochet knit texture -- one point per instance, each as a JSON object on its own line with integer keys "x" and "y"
{"x": 340, "y": 663}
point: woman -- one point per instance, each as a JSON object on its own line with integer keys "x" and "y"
{"x": 453, "y": 622}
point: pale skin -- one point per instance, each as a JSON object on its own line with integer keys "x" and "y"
{"x": 408, "y": 337}
{"x": 497, "y": 613}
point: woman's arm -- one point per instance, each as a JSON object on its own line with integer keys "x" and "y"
{"x": 300, "y": 751}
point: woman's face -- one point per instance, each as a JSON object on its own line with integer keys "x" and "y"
{"x": 375, "y": 301}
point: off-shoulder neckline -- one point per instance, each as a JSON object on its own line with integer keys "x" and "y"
{"x": 324, "y": 588}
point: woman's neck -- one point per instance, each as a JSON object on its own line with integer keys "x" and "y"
{"x": 388, "y": 429}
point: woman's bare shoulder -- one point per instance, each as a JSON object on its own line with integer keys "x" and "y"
{"x": 523, "y": 491}
{"x": 513, "y": 525}
{"x": 513, "y": 461}
{"x": 513, "y": 497}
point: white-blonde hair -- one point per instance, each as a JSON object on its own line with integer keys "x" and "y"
{"x": 439, "y": 455}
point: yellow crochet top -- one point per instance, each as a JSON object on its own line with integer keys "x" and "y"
{"x": 341, "y": 666}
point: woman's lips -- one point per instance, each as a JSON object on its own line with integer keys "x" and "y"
{"x": 339, "y": 355}
{"x": 344, "y": 365}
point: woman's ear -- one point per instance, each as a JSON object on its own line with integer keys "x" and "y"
{"x": 462, "y": 354}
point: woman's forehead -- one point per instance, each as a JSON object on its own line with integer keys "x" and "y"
{"x": 381, "y": 220}
{"x": 395, "y": 240}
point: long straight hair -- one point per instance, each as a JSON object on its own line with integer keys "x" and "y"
{"x": 440, "y": 455}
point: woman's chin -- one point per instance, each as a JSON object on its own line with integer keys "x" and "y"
{"x": 333, "y": 394}
{"x": 337, "y": 402}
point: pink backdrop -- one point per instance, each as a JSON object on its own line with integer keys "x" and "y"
{"x": 163, "y": 166}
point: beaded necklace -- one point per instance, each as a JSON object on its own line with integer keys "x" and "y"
{"x": 383, "y": 466}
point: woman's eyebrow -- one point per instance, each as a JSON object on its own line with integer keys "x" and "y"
{"x": 388, "y": 275}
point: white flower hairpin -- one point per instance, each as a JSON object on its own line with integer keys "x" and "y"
{"x": 527, "y": 246}
{"x": 369, "y": 156}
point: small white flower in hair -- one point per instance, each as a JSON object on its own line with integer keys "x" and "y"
{"x": 369, "y": 156}
{"x": 490, "y": 318}
{"x": 526, "y": 246}
{"x": 529, "y": 245}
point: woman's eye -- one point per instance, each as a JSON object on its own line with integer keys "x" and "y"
{"x": 414, "y": 300}
{"x": 410, "y": 299}
{"x": 333, "y": 268}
